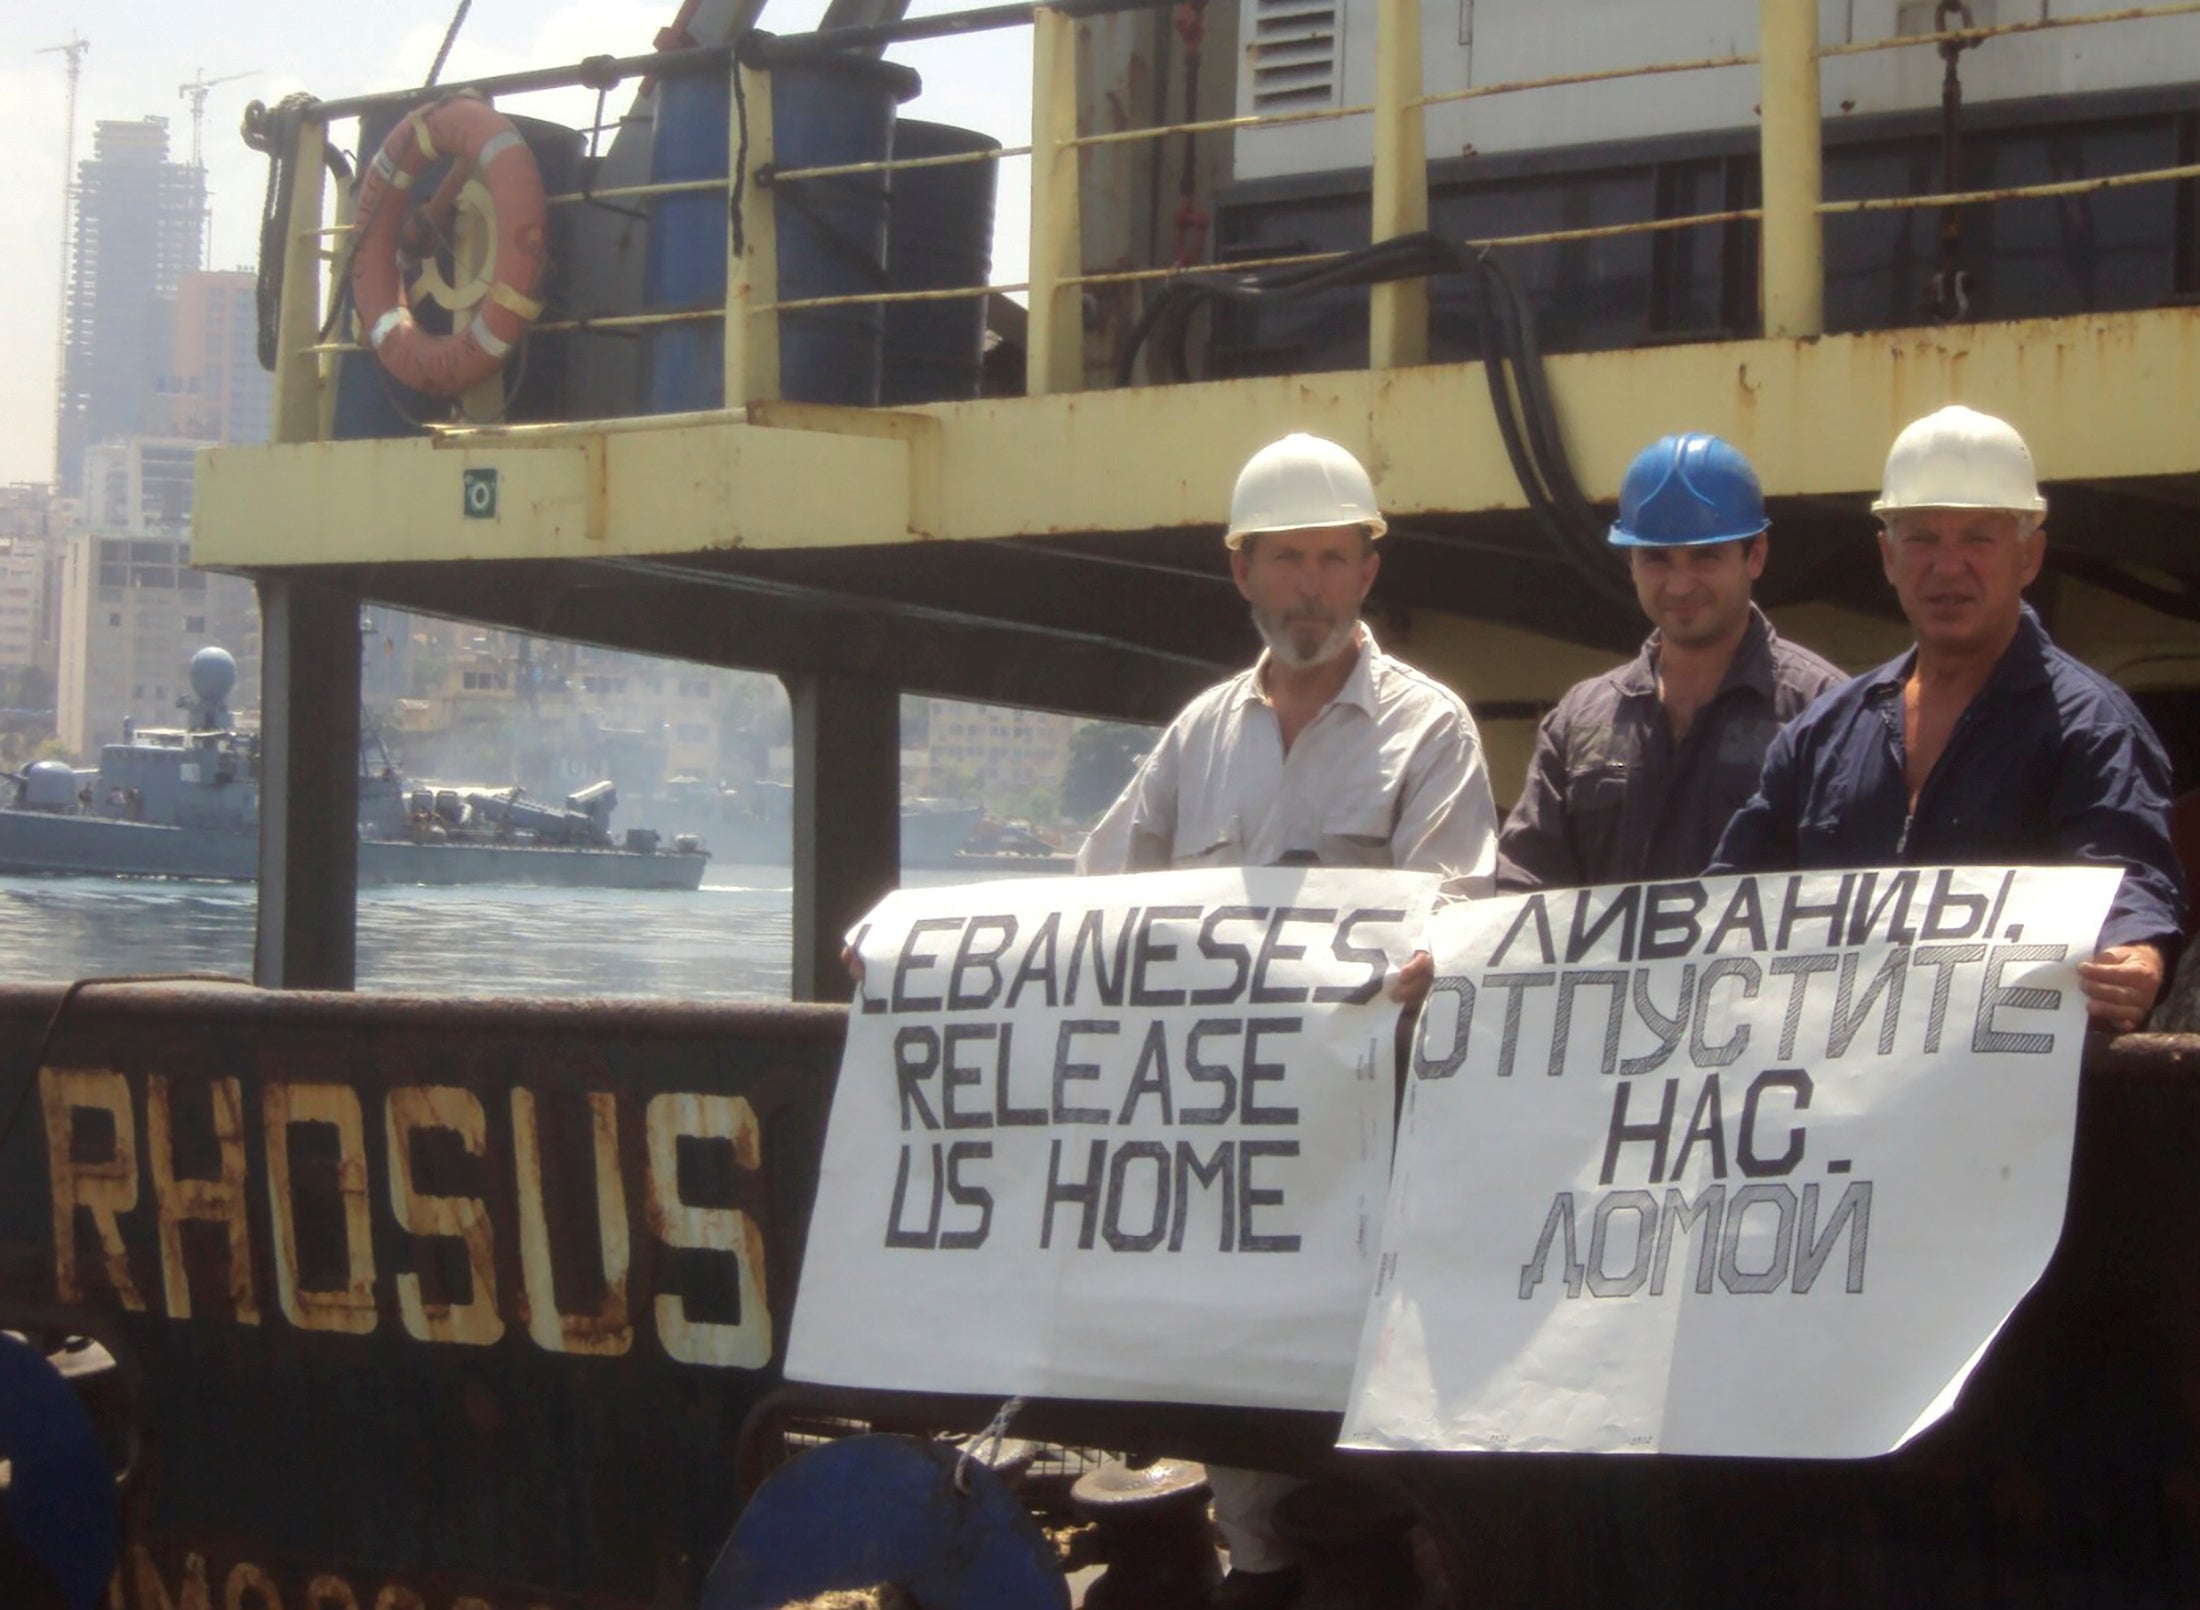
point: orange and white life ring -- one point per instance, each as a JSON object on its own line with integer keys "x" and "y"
{"x": 483, "y": 144}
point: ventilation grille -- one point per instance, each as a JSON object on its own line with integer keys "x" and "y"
{"x": 1295, "y": 54}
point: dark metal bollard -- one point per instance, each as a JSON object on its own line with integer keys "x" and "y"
{"x": 1152, "y": 1526}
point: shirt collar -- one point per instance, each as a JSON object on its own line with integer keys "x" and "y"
{"x": 2023, "y": 664}
{"x": 1358, "y": 690}
{"x": 1751, "y": 666}
{"x": 1638, "y": 678}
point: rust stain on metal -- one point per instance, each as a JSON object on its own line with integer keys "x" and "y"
{"x": 246, "y": 1578}
{"x": 747, "y": 1342}
{"x": 348, "y": 1308}
{"x": 534, "y": 1119}
{"x": 191, "y": 1590}
{"x": 105, "y": 1187}
{"x": 607, "y": 1331}
{"x": 416, "y": 1108}
{"x": 220, "y": 1200}
{"x": 330, "y": 1593}
{"x": 596, "y": 517}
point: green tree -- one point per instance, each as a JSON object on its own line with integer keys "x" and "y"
{"x": 1102, "y": 757}
{"x": 26, "y": 687}
{"x": 957, "y": 782}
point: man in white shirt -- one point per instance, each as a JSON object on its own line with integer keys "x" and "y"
{"x": 1327, "y": 752}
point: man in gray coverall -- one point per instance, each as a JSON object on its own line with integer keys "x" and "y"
{"x": 1637, "y": 772}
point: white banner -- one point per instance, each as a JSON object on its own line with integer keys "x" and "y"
{"x": 1112, "y": 1138}
{"x": 1747, "y": 1166}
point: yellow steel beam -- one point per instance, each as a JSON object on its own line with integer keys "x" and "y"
{"x": 752, "y": 248}
{"x": 1397, "y": 333}
{"x": 298, "y": 377}
{"x": 1794, "y": 236}
{"x": 1054, "y": 341}
{"x": 2099, "y": 397}
{"x": 684, "y": 490}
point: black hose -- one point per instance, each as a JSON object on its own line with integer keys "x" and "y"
{"x": 1520, "y": 396}
{"x": 1527, "y": 423}
{"x": 1168, "y": 315}
{"x": 1545, "y": 442}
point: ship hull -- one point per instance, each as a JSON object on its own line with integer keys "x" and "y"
{"x": 32, "y": 842}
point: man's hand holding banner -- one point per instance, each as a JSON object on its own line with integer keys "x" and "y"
{"x": 1749, "y": 1166}
{"x": 1112, "y": 1138}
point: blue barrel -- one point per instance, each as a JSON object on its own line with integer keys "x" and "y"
{"x": 939, "y": 235}
{"x": 826, "y": 112}
{"x": 372, "y": 402}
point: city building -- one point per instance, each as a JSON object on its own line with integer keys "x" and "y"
{"x": 140, "y": 220}
{"x": 130, "y": 609}
{"x": 25, "y": 622}
{"x": 214, "y": 389}
{"x": 141, "y": 484}
{"x": 30, "y": 509}
{"x": 556, "y": 716}
{"x": 132, "y": 613}
{"x": 1013, "y": 759}
{"x": 32, "y": 524}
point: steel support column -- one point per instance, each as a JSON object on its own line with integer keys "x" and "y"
{"x": 1792, "y": 163}
{"x": 1054, "y": 341}
{"x": 1398, "y": 311}
{"x": 309, "y": 787}
{"x": 752, "y": 250}
{"x": 847, "y": 818}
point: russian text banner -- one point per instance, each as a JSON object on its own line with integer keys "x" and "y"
{"x": 1748, "y": 1166}
{"x": 1112, "y": 1138}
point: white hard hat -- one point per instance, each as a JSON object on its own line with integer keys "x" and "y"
{"x": 1960, "y": 459}
{"x": 1299, "y": 483}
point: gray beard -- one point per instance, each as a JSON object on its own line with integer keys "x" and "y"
{"x": 1281, "y": 648}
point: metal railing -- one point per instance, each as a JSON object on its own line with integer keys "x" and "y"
{"x": 1792, "y": 214}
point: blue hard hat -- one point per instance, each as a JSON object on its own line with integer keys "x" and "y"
{"x": 1685, "y": 490}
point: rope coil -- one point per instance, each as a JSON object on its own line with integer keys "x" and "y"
{"x": 273, "y": 132}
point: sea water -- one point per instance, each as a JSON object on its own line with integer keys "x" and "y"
{"x": 730, "y": 940}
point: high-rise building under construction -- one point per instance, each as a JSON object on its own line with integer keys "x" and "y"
{"x": 139, "y": 219}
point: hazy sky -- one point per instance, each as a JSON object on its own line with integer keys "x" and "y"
{"x": 140, "y": 55}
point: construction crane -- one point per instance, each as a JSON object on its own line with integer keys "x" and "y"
{"x": 196, "y": 92}
{"x": 74, "y": 50}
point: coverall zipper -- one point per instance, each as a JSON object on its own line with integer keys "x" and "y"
{"x": 1940, "y": 766}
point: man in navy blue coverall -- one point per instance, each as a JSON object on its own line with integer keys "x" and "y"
{"x": 1985, "y": 744}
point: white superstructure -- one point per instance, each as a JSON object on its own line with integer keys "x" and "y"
{"x": 1308, "y": 54}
